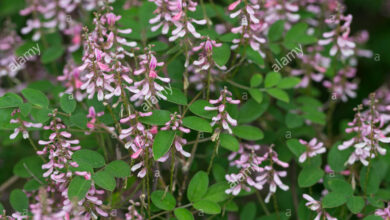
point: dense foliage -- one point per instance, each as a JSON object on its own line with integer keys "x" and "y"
{"x": 184, "y": 109}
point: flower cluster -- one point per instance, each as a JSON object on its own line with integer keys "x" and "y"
{"x": 248, "y": 163}
{"x": 313, "y": 148}
{"x": 369, "y": 133}
{"x": 223, "y": 119}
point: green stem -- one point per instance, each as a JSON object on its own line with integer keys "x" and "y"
{"x": 213, "y": 156}
{"x": 261, "y": 201}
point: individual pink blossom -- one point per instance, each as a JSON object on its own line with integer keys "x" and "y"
{"x": 148, "y": 86}
{"x": 72, "y": 80}
{"x": 313, "y": 148}
{"x": 22, "y": 125}
{"x": 133, "y": 214}
{"x": 223, "y": 118}
{"x": 341, "y": 87}
{"x": 339, "y": 36}
{"x": 316, "y": 206}
{"x": 251, "y": 28}
{"x": 93, "y": 115}
{"x": 384, "y": 213}
{"x": 185, "y": 25}
{"x": 205, "y": 61}
{"x": 165, "y": 13}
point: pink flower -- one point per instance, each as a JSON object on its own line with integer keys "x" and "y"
{"x": 223, "y": 117}
{"x": 312, "y": 149}
{"x": 317, "y": 207}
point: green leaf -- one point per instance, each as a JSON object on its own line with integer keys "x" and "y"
{"x": 25, "y": 109}
{"x": 296, "y": 147}
{"x": 221, "y": 54}
{"x": 35, "y": 97}
{"x": 217, "y": 193}
{"x": 372, "y": 184}
{"x": 118, "y": 168}
{"x": 249, "y": 211}
{"x": 93, "y": 158}
{"x": 341, "y": 187}
{"x": 158, "y": 117}
{"x": 29, "y": 166}
{"x": 1, "y": 208}
{"x": 248, "y": 132}
{"x": 79, "y": 120}
{"x": 276, "y": 30}
{"x": 9, "y": 100}
{"x": 254, "y": 56}
{"x": 256, "y": 94}
{"x": 51, "y": 54}
{"x": 18, "y": 200}
{"x": 78, "y": 187}
{"x": 256, "y": 80}
{"x": 183, "y": 214}
{"x": 297, "y": 35}
{"x": 207, "y": 207}
{"x": 333, "y": 199}
{"x": 337, "y": 158}
{"x": 309, "y": 176}
{"x": 252, "y": 110}
{"x": 278, "y": 94}
{"x": 355, "y": 204}
{"x": 162, "y": 143}
{"x": 40, "y": 115}
{"x": 272, "y": 79}
{"x": 68, "y": 103}
{"x": 177, "y": 97}
{"x": 31, "y": 185}
{"x": 197, "y": 187}
{"x": 229, "y": 142}
{"x": 293, "y": 120}
{"x": 104, "y": 180}
{"x": 163, "y": 200}
{"x": 288, "y": 82}
{"x": 198, "y": 109}
{"x": 197, "y": 124}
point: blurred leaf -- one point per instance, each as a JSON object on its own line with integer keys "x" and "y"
{"x": 79, "y": 120}
{"x": 197, "y": 124}
{"x": 35, "y": 97}
{"x": 197, "y": 187}
{"x": 276, "y": 30}
{"x": 207, "y": 207}
{"x": 163, "y": 200}
{"x": 68, "y": 103}
{"x": 183, "y": 214}
{"x": 52, "y": 54}
{"x": 9, "y": 100}
{"x": 198, "y": 109}
{"x": 162, "y": 143}
{"x": 104, "y": 180}
{"x": 18, "y": 200}
{"x": 78, "y": 187}
{"x": 256, "y": 80}
{"x": 248, "y": 132}
{"x": 288, "y": 82}
{"x": 355, "y": 204}
{"x": 118, "y": 168}
{"x": 272, "y": 79}
{"x": 278, "y": 94}
{"x": 309, "y": 176}
{"x": 177, "y": 97}
{"x": 229, "y": 142}
{"x": 221, "y": 54}
{"x": 217, "y": 193}
{"x": 158, "y": 117}
{"x": 256, "y": 94}
{"x": 333, "y": 199}
{"x": 90, "y": 157}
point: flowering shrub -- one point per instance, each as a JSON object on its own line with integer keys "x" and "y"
{"x": 189, "y": 109}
